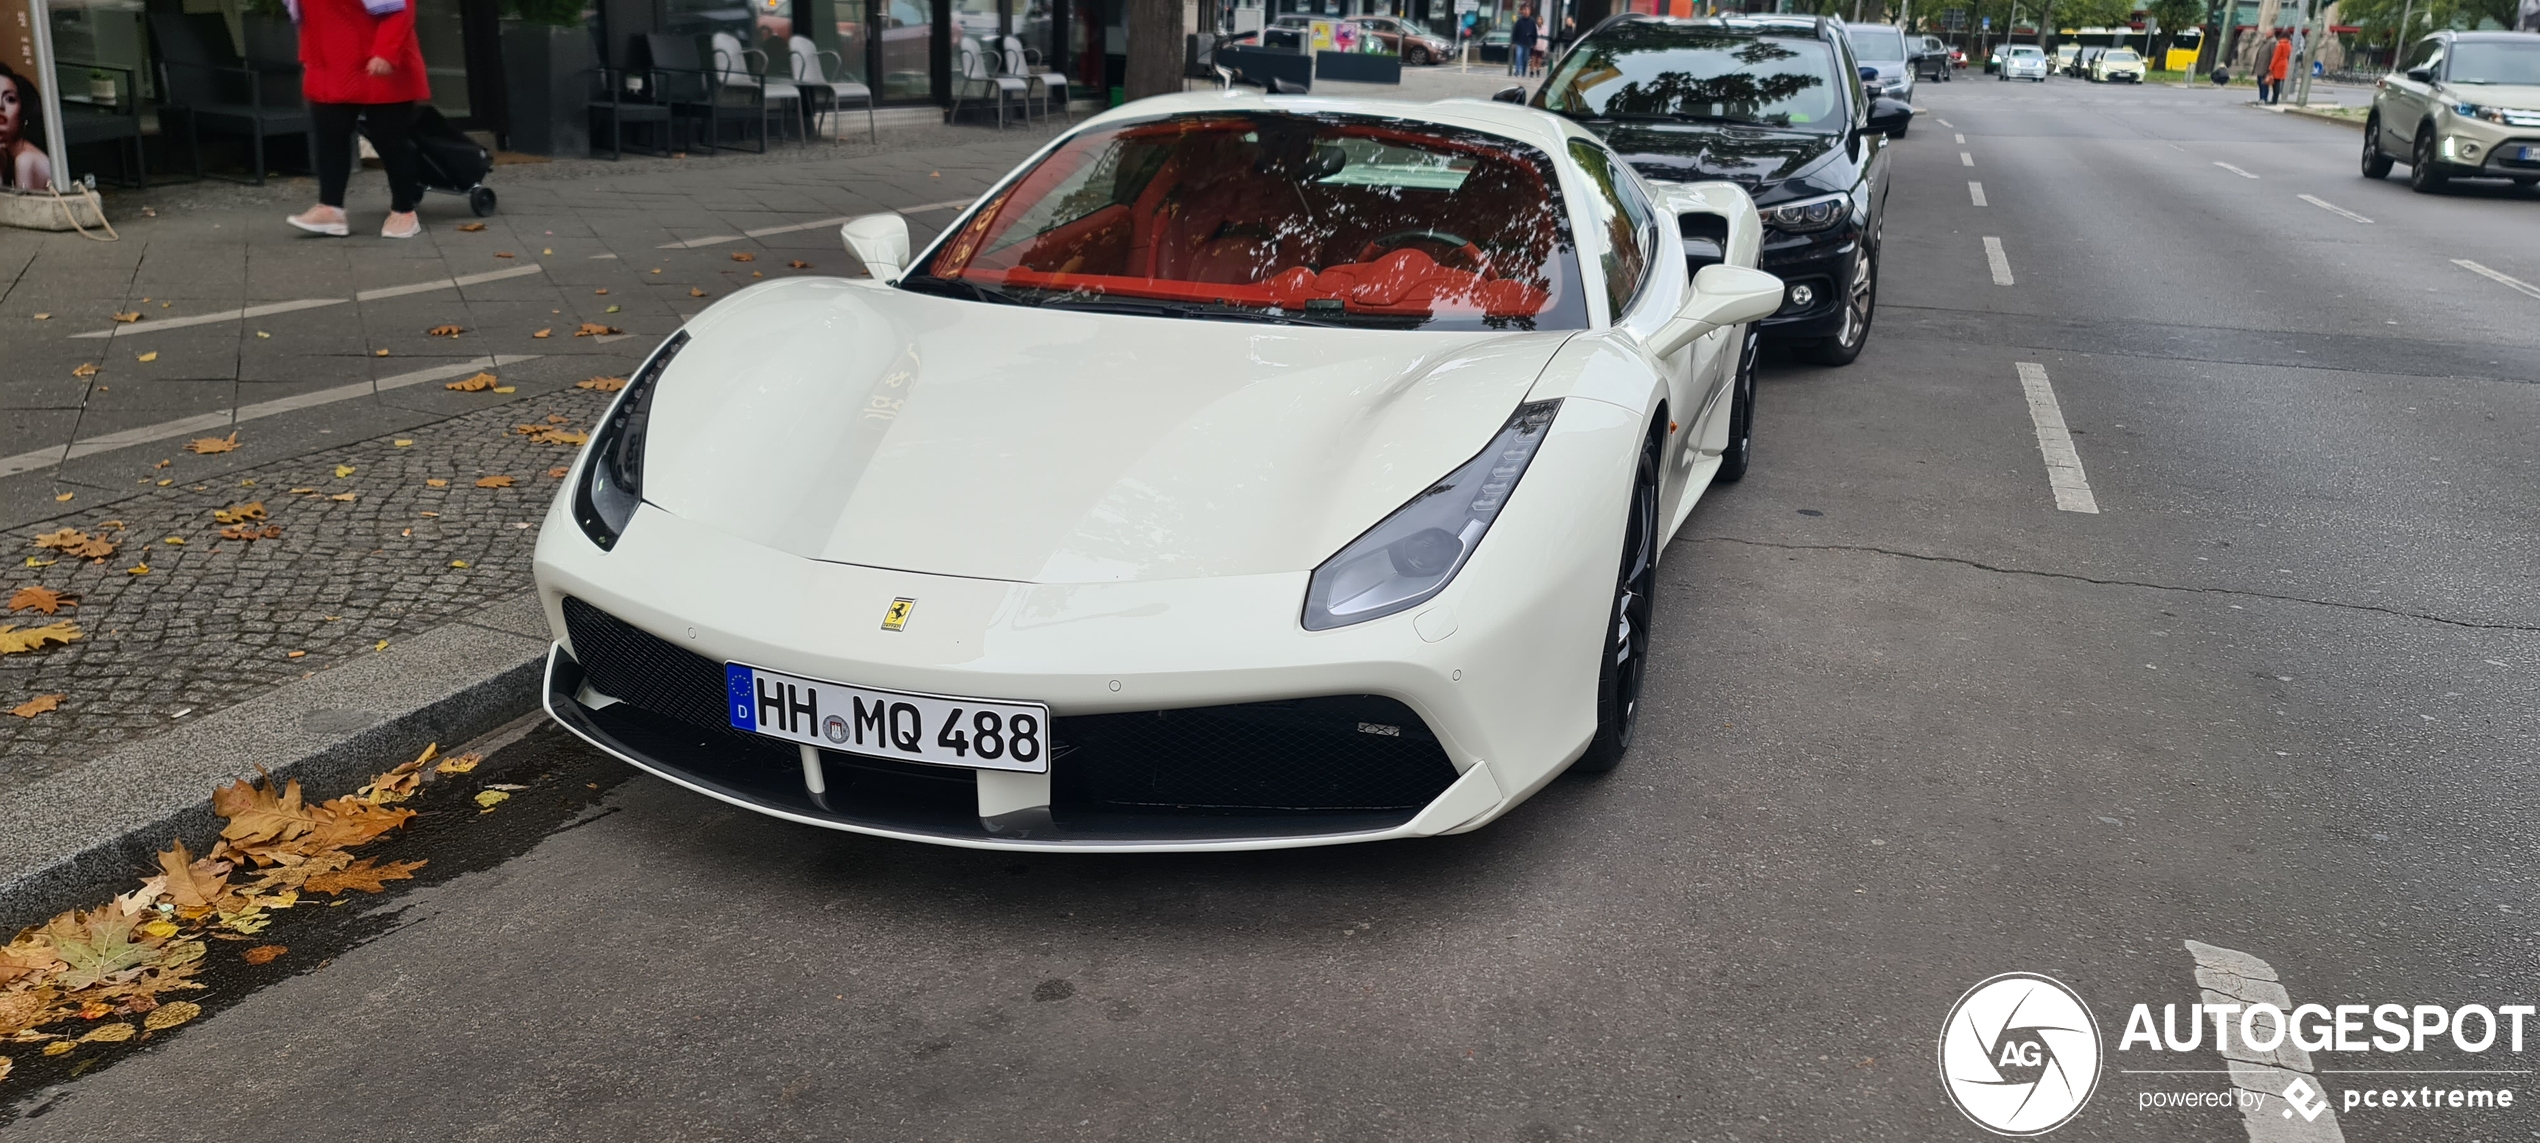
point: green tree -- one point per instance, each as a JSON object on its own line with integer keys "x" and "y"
{"x": 2379, "y": 19}
{"x": 2174, "y": 16}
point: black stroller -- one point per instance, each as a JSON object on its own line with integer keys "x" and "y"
{"x": 452, "y": 163}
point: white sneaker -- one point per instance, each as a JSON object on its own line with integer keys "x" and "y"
{"x": 388, "y": 229}
{"x": 335, "y": 228}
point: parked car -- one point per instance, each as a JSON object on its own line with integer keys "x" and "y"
{"x": 1135, "y": 512}
{"x": 1771, "y": 104}
{"x": 1416, "y": 47}
{"x": 2024, "y": 61}
{"x": 1993, "y": 62}
{"x": 2116, "y": 65}
{"x": 2462, "y": 105}
{"x": 2068, "y": 60}
{"x": 1881, "y": 47}
{"x": 1931, "y": 58}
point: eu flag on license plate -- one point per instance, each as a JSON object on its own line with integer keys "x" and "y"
{"x": 741, "y": 695}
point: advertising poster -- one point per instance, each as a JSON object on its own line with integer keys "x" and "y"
{"x": 30, "y": 110}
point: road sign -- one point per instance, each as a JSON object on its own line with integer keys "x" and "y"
{"x": 1463, "y": 6}
{"x": 1988, "y": 23}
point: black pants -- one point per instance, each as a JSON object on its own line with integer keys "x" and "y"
{"x": 390, "y": 127}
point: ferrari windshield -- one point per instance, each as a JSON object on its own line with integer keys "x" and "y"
{"x": 1311, "y": 218}
{"x": 1649, "y": 70}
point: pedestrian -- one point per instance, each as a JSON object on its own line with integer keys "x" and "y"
{"x": 1543, "y": 45}
{"x": 1521, "y": 41}
{"x": 2278, "y": 66}
{"x": 361, "y": 64}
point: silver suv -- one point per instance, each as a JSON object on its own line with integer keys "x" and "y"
{"x": 2462, "y": 105}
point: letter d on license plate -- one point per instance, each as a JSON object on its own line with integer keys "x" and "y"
{"x": 975, "y": 734}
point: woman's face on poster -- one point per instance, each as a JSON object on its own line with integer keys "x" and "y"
{"x": 12, "y": 113}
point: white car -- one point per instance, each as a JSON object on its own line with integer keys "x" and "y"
{"x": 1241, "y": 471}
{"x": 2023, "y": 61}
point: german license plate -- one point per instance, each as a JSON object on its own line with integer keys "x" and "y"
{"x": 2528, "y": 154}
{"x": 975, "y": 734}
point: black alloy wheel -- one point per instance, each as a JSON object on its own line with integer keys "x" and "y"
{"x": 1624, "y": 662}
{"x": 2376, "y": 164}
{"x": 1860, "y": 304}
{"x": 1741, "y": 450}
{"x": 1415, "y": 57}
{"x": 2425, "y": 175}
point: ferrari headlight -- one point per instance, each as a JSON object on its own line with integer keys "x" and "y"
{"x": 1413, "y": 554}
{"x": 613, "y": 473}
{"x": 1807, "y": 215}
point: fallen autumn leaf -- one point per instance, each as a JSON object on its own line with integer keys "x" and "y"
{"x": 38, "y": 705}
{"x": 602, "y": 384}
{"x": 494, "y": 482}
{"x": 263, "y": 954}
{"x": 35, "y": 597}
{"x": 476, "y": 384}
{"x": 213, "y": 444}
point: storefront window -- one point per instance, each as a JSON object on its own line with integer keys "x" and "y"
{"x": 855, "y": 39}
{"x": 97, "y": 53}
{"x": 908, "y": 42}
{"x": 439, "y": 28}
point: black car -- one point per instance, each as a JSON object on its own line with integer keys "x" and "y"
{"x": 1774, "y": 105}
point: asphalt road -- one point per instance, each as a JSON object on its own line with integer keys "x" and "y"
{"x": 1911, "y": 726}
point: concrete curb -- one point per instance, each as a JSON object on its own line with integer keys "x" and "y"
{"x": 73, "y": 838}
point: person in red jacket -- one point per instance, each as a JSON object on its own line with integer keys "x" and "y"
{"x": 2278, "y": 66}
{"x": 360, "y": 62}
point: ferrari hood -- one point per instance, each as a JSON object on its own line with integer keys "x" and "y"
{"x": 842, "y": 421}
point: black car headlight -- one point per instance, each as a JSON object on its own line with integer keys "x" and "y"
{"x": 613, "y": 475}
{"x": 1413, "y": 554}
{"x": 1808, "y": 215}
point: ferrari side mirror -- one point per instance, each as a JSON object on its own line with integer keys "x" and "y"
{"x": 880, "y": 241}
{"x": 1722, "y": 296}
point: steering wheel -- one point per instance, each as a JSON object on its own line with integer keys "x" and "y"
{"x": 1472, "y": 253}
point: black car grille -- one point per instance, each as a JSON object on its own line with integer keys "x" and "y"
{"x": 1331, "y": 754}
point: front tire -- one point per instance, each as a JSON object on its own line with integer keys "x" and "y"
{"x": 1623, "y": 662}
{"x": 2376, "y": 164}
{"x": 2425, "y": 175}
{"x": 1416, "y": 57}
{"x": 1860, "y": 305}
{"x": 1741, "y": 450}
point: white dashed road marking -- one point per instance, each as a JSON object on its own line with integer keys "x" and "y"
{"x": 147, "y": 326}
{"x": 2510, "y": 281}
{"x": 815, "y": 224}
{"x": 2055, "y": 443}
{"x": 1961, "y": 139}
{"x": 229, "y": 418}
{"x": 1975, "y": 191}
{"x": 1944, "y": 123}
{"x": 2000, "y": 262}
{"x": 2233, "y": 169}
{"x": 2333, "y": 208}
{"x": 1965, "y": 159}
{"x": 2229, "y": 976}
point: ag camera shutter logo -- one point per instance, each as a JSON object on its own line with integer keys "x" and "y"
{"x": 2020, "y": 1054}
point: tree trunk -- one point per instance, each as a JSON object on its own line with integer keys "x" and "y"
{"x": 1155, "y": 48}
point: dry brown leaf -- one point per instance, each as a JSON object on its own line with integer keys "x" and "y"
{"x": 476, "y": 384}
{"x": 165, "y": 1016}
{"x": 471, "y": 227}
{"x": 130, "y": 317}
{"x": 34, "y": 597}
{"x": 494, "y": 482}
{"x": 88, "y": 369}
{"x": 193, "y": 883}
{"x": 345, "y": 497}
{"x": 149, "y": 357}
{"x": 75, "y": 543}
{"x": 602, "y": 384}
{"x": 263, "y": 954}
{"x": 695, "y": 292}
{"x": 14, "y": 640}
{"x": 252, "y": 532}
{"x": 261, "y": 816}
{"x": 435, "y": 482}
{"x": 239, "y": 513}
{"x": 595, "y": 329}
{"x": 799, "y": 264}
{"x": 502, "y": 253}
{"x": 213, "y": 444}
{"x": 459, "y": 765}
{"x": 398, "y": 784}
{"x": 363, "y": 875}
{"x": 542, "y": 333}
{"x": 744, "y": 256}
{"x": 601, "y": 292}
{"x": 557, "y": 473}
{"x": 29, "y": 709}
{"x": 444, "y": 331}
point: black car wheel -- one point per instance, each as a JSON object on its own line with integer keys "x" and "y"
{"x": 1624, "y": 662}
{"x": 1733, "y": 460}
{"x": 2376, "y": 164}
{"x": 2425, "y": 175}
{"x": 1416, "y": 57}
{"x": 1860, "y": 304}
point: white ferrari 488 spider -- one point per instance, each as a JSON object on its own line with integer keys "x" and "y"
{"x": 1242, "y": 471}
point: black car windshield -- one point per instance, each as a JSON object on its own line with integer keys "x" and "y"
{"x": 2493, "y": 62}
{"x": 1648, "y": 70}
{"x": 1876, "y": 42}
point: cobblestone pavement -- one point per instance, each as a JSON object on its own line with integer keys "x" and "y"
{"x": 214, "y": 621}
